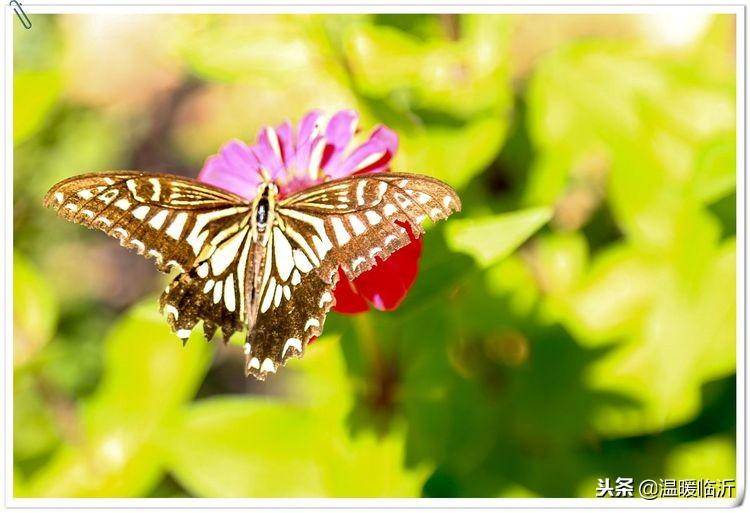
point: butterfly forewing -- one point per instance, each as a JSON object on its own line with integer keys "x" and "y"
{"x": 171, "y": 219}
{"x": 364, "y": 217}
{"x": 346, "y": 224}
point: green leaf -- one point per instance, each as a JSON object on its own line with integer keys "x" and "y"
{"x": 462, "y": 77}
{"x": 86, "y": 141}
{"x": 455, "y": 154}
{"x": 35, "y": 432}
{"x": 662, "y": 137}
{"x": 35, "y": 93}
{"x": 492, "y": 238}
{"x": 678, "y": 328}
{"x": 612, "y": 298}
{"x": 559, "y": 260}
{"x": 147, "y": 372}
{"x": 282, "y": 47}
{"x": 34, "y": 312}
{"x": 147, "y": 376}
{"x": 715, "y": 169}
{"x": 449, "y": 100}
{"x": 661, "y": 133}
{"x": 710, "y": 458}
{"x": 296, "y": 447}
{"x": 246, "y": 447}
{"x": 513, "y": 279}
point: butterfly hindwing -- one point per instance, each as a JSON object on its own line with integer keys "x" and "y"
{"x": 284, "y": 331}
{"x": 171, "y": 219}
{"x": 214, "y": 290}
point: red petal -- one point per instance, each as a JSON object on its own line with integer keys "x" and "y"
{"x": 385, "y": 285}
{"x": 348, "y": 300}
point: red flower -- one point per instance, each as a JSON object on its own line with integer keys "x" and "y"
{"x": 315, "y": 151}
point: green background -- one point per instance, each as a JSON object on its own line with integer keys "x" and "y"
{"x": 576, "y": 321}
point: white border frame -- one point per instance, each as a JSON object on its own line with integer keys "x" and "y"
{"x": 305, "y": 6}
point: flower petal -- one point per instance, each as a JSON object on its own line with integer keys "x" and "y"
{"x": 309, "y": 126}
{"x": 294, "y": 161}
{"x": 339, "y": 133}
{"x": 305, "y": 173}
{"x": 286, "y": 143}
{"x": 341, "y": 128}
{"x": 268, "y": 152}
{"x": 234, "y": 169}
{"x": 386, "y": 284}
{"x": 371, "y": 157}
{"x": 348, "y": 300}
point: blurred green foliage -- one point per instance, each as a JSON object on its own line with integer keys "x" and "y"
{"x": 575, "y": 321}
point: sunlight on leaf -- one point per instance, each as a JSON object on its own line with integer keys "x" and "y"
{"x": 452, "y": 154}
{"x": 655, "y": 125}
{"x": 147, "y": 375}
{"x": 461, "y": 76}
{"x": 246, "y": 447}
{"x": 685, "y": 338}
{"x": 34, "y": 95}
{"x": 612, "y": 298}
{"x": 709, "y": 458}
{"x": 34, "y": 312}
{"x": 294, "y": 447}
{"x": 489, "y": 239}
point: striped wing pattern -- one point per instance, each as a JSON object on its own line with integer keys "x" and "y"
{"x": 213, "y": 290}
{"x": 347, "y": 224}
{"x": 164, "y": 217}
{"x": 184, "y": 225}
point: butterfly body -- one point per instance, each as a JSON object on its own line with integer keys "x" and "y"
{"x": 267, "y": 266}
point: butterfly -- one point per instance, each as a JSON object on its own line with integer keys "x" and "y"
{"x": 267, "y": 266}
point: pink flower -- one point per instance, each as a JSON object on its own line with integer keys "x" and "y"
{"x": 297, "y": 159}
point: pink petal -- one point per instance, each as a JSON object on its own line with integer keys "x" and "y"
{"x": 268, "y": 152}
{"x": 311, "y": 148}
{"x": 341, "y": 128}
{"x": 371, "y": 157}
{"x": 339, "y": 133}
{"x": 286, "y": 142}
{"x": 308, "y": 127}
{"x": 234, "y": 169}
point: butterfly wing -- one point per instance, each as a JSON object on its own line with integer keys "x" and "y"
{"x": 197, "y": 229}
{"x": 214, "y": 290}
{"x": 363, "y": 217}
{"x": 174, "y": 220}
{"x": 346, "y": 224}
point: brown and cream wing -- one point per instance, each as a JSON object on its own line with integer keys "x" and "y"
{"x": 289, "y": 300}
{"x": 351, "y": 222}
{"x": 176, "y": 221}
{"x": 284, "y": 330}
{"x": 214, "y": 290}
